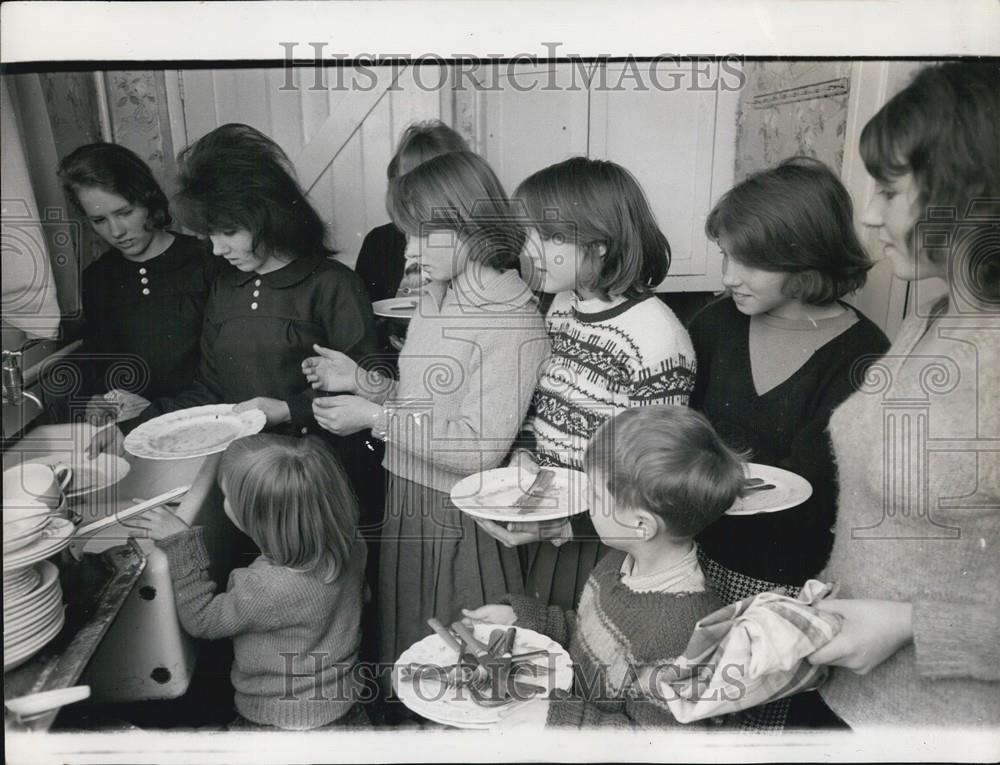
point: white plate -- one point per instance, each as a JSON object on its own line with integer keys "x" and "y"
{"x": 492, "y": 494}
{"x": 18, "y": 583}
{"x": 455, "y": 707}
{"x": 55, "y": 537}
{"x": 195, "y": 432}
{"x": 46, "y": 576}
{"x": 396, "y": 308}
{"x": 789, "y": 490}
{"x": 20, "y": 654}
{"x": 14, "y": 615}
{"x": 32, "y": 621}
{"x": 23, "y": 531}
{"x": 89, "y": 475}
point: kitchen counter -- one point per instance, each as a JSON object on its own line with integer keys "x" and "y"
{"x": 145, "y": 654}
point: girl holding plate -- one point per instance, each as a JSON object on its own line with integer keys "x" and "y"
{"x": 280, "y": 292}
{"x": 776, "y": 355}
{"x": 466, "y": 374}
{"x": 593, "y": 240}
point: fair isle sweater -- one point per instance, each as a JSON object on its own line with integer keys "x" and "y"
{"x": 918, "y": 521}
{"x": 603, "y": 362}
{"x": 466, "y": 375}
{"x": 614, "y": 633}
{"x": 295, "y": 637}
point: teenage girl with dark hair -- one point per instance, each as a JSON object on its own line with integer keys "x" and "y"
{"x": 281, "y": 292}
{"x": 144, "y": 298}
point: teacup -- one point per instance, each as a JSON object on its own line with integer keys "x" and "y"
{"x": 33, "y": 481}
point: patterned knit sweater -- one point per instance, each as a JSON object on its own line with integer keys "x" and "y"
{"x": 602, "y": 363}
{"x": 295, "y": 637}
{"x": 919, "y": 522}
{"x": 613, "y": 634}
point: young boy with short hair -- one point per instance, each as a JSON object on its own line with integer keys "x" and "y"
{"x": 658, "y": 476}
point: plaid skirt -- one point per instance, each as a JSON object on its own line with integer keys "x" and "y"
{"x": 434, "y": 561}
{"x": 732, "y": 586}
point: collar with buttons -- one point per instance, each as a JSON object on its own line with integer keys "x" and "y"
{"x": 287, "y": 276}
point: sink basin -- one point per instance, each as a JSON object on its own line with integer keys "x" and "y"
{"x": 146, "y": 654}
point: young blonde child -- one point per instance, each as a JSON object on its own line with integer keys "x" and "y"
{"x": 658, "y": 475}
{"x": 294, "y": 613}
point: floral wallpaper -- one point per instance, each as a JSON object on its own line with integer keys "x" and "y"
{"x": 138, "y": 104}
{"x": 795, "y": 123}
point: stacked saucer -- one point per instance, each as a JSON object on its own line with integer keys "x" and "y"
{"x": 32, "y": 598}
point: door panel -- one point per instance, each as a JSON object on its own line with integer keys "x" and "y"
{"x": 670, "y": 139}
{"x": 339, "y": 139}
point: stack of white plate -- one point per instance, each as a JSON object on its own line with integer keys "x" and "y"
{"x": 32, "y": 598}
{"x": 33, "y": 618}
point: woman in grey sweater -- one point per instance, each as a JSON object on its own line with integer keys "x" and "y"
{"x": 918, "y": 523}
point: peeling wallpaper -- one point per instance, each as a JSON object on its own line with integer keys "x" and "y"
{"x": 814, "y": 127}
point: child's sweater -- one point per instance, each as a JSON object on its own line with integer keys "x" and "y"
{"x": 295, "y": 637}
{"x": 635, "y": 354}
{"x": 613, "y": 634}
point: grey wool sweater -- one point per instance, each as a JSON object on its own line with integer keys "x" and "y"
{"x": 295, "y": 637}
{"x": 918, "y": 521}
{"x": 466, "y": 376}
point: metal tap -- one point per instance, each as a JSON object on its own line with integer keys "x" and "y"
{"x": 13, "y": 376}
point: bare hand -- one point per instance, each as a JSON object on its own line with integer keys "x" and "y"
{"x": 514, "y": 534}
{"x": 108, "y": 439}
{"x": 158, "y": 523}
{"x": 331, "y": 371}
{"x": 115, "y": 405}
{"x": 275, "y": 410}
{"x": 491, "y": 613}
{"x": 871, "y": 631}
{"x": 343, "y": 415}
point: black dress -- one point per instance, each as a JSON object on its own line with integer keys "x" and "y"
{"x": 142, "y": 321}
{"x": 785, "y": 427}
{"x": 260, "y": 327}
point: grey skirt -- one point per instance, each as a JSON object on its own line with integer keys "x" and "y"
{"x": 434, "y": 561}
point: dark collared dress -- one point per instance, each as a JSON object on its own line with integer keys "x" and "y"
{"x": 142, "y": 321}
{"x": 260, "y": 327}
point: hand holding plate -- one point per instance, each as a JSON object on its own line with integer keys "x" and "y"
{"x": 275, "y": 410}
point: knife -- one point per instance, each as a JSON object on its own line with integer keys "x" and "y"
{"x": 88, "y": 529}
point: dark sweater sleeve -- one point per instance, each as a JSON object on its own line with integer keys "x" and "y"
{"x": 811, "y": 452}
{"x": 535, "y": 615}
{"x": 701, "y": 331}
{"x": 205, "y": 389}
{"x": 349, "y": 326}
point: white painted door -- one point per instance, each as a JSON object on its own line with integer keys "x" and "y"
{"x": 678, "y": 141}
{"x": 531, "y": 116}
{"x": 339, "y": 138}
